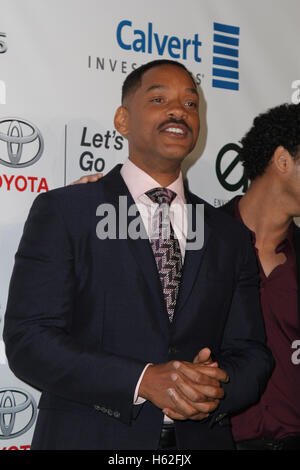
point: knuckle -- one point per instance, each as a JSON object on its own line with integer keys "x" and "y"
{"x": 195, "y": 396}
{"x": 199, "y": 378}
{"x": 205, "y": 407}
{"x": 208, "y": 407}
{"x": 216, "y": 392}
{"x": 175, "y": 364}
{"x": 213, "y": 405}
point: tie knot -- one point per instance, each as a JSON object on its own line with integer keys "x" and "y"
{"x": 161, "y": 195}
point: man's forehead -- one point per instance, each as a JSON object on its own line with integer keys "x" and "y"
{"x": 159, "y": 77}
{"x": 166, "y": 87}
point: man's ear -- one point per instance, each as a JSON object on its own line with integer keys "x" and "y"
{"x": 121, "y": 120}
{"x": 282, "y": 160}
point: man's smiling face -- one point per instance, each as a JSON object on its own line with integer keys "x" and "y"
{"x": 162, "y": 117}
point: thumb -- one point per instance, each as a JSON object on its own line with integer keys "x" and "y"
{"x": 204, "y": 357}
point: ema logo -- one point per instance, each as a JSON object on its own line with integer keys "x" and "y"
{"x": 225, "y": 56}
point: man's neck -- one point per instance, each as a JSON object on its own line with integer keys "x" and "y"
{"x": 163, "y": 175}
{"x": 263, "y": 211}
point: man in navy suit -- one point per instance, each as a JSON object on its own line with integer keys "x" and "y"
{"x": 88, "y": 319}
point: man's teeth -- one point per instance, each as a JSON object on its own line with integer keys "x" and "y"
{"x": 175, "y": 129}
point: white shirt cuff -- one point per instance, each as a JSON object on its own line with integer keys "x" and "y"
{"x": 138, "y": 400}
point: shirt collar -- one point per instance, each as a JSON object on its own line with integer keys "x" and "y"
{"x": 139, "y": 182}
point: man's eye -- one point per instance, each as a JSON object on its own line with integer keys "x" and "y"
{"x": 191, "y": 104}
{"x": 157, "y": 99}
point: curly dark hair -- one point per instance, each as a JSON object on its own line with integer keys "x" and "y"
{"x": 279, "y": 126}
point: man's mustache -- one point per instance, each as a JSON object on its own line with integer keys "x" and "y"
{"x": 174, "y": 121}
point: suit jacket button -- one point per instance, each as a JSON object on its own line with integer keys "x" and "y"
{"x": 116, "y": 414}
{"x": 97, "y": 407}
{"x": 172, "y": 350}
{"x": 220, "y": 417}
{"x": 109, "y": 412}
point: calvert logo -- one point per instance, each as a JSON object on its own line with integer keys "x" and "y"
{"x": 18, "y": 412}
{"x": 225, "y": 50}
{"x": 22, "y": 143}
{"x": 130, "y": 38}
{"x": 137, "y": 41}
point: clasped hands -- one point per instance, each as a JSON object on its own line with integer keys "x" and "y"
{"x": 185, "y": 390}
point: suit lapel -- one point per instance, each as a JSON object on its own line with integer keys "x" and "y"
{"x": 193, "y": 257}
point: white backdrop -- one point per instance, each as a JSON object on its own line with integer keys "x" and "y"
{"x": 62, "y": 64}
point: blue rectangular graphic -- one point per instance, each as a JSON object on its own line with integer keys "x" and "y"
{"x": 226, "y": 39}
{"x": 226, "y": 51}
{"x": 225, "y": 28}
{"x": 226, "y": 62}
{"x": 225, "y": 84}
{"x": 225, "y": 73}
{"x": 225, "y": 56}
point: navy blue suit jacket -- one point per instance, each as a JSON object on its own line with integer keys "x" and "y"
{"x": 84, "y": 317}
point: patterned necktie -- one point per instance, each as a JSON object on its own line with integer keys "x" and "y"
{"x": 166, "y": 247}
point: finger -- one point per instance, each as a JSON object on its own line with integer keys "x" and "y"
{"x": 204, "y": 355}
{"x": 187, "y": 409}
{"x": 201, "y": 359}
{"x": 218, "y": 373}
{"x": 77, "y": 182}
{"x": 182, "y": 407}
{"x": 196, "y": 393}
{"x": 206, "y": 363}
{"x": 195, "y": 372}
{"x": 199, "y": 416}
{"x": 82, "y": 180}
{"x": 95, "y": 177}
{"x": 88, "y": 179}
{"x": 91, "y": 178}
{"x": 187, "y": 390}
{"x": 173, "y": 414}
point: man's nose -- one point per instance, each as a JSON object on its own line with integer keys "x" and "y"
{"x": 177, "y": 110}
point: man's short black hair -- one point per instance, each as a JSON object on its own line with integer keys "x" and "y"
{"x": 279, "y": 126}
{"x": 133, "y": 80}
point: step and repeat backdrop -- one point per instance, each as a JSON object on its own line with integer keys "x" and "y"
{"x": 62, "y": 64}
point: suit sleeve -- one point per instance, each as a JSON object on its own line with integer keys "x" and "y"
{"x": 244, "y": 354}
{"x": 39, "y": 346}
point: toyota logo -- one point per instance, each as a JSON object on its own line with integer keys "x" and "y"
{"x": 21, "y": 143}
{"x": 18, "y": 411}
